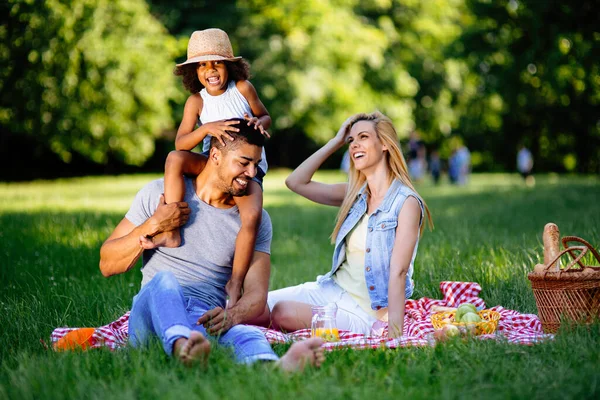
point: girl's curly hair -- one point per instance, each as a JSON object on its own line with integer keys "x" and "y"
{"x": 237, "y": 71}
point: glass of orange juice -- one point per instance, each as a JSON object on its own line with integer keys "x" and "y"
{"x": 323, "y": 322}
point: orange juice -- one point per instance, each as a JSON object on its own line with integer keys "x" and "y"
{"x": 327, "y": 334}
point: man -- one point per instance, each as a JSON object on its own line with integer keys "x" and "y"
{"x": 183, "y": 289}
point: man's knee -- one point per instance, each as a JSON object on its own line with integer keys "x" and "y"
{"x": 243, "y": 335}
{"x": 165, "y": 279}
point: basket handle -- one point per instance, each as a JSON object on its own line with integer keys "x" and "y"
{"x": 567, "y": 239}
{"x": 569, "y": 250}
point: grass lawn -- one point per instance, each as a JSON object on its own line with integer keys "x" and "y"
{"x": 488, "y": 232}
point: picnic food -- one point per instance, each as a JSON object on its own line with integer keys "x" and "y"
{"x": 482, "y": 322}
{"x": 551, "y": 238}
{"x": 327, "y": 334}
{"x": 450, "y": 330}
{"x": 464, "y": 309}
{"x": 471, "y": 317}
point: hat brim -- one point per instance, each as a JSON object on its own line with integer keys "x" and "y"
{"x": 208, "y": 57}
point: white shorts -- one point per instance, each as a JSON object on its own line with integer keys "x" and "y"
{"x": 350, "y": 316}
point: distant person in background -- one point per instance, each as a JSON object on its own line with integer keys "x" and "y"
{"x": 460, "y": 165}
{"x": 417, "y": 166}
{"x": 435, "y": 166}
{"x": 453, "y": 167}
{"x": 414, "y": 141}
{"x": 525, "y": 164}
{"x": 464, "y": 158}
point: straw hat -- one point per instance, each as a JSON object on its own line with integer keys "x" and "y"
{"x": 209, "y": 45}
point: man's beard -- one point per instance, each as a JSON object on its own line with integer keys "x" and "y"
{"x": 235, "y": 192}
{"x": 230, "y": 189}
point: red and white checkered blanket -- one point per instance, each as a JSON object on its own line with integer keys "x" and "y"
{"x": 513, "y": 327}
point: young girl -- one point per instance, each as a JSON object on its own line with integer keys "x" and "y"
{"x": 220, "y": 90}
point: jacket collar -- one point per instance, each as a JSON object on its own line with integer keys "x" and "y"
{"x": 389, "y": 198}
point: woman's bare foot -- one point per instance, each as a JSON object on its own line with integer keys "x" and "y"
{"x": 301, "y": 354}
{"x": 195, "y": 348}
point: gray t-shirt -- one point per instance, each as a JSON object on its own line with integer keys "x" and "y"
{"x": 203, "y": 262}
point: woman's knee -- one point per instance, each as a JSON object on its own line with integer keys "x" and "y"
{"x": 285, "y": 315}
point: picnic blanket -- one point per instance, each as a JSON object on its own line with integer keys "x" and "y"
{"x": 513, "y": 326}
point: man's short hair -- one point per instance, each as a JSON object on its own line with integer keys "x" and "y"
{"x": 246, "y": 134}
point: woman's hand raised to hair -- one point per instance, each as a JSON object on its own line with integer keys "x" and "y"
{"x": 340, "y": 137}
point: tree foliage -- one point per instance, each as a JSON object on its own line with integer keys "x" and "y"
{"x": 535, "y": 64}
{"x": 94, "y": 77}
{"x": 86, "y": 76}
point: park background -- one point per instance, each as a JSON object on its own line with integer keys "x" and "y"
{"x": 87, "y": 85}
{"x": 86, "y": 88}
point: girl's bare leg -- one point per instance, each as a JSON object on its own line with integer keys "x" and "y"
{"x": 250, "y": 213}
{"x": 178, "y": 164}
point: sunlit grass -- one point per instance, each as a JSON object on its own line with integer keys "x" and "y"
{"x": 488, "y": 231}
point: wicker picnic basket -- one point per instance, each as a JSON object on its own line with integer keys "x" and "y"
{"x": 568, "y": 292}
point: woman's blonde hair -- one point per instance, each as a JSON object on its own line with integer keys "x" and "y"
{"x": 386, "y": 133}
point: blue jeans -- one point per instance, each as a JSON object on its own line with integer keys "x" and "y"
{"x": 161, "y": 309}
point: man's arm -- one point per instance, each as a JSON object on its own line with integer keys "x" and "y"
{"x": 124, "y": 246}
{"x": 250, "y": 305}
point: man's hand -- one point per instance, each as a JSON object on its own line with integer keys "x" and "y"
{"x": 168, "y": 217}
{"x": 233, "y": 290}
{"x": 257, "y": 125}
{"x": 218, "y": 320}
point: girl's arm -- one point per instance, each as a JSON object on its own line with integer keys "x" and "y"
{"x": 407, "y": 234}
{"x": 188, "y": 138}
{"x": 258, "y": 108}
{"x": 300, "y": 180}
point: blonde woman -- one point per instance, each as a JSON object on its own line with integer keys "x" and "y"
{"x": 376, "y": 234}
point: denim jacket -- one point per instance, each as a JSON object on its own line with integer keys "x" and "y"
{"x": 381, "y": 233}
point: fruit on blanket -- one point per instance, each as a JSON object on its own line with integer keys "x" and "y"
{"x": 438, "y": 335}
{"x": 463, "y": 309}
{"x": 450, "y": 330}
{"x": 470, "y": 318}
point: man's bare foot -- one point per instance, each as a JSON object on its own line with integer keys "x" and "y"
{"x": 301, "y": 354}
{"x": 167, "y": 239}
{"x": 233, "y": 290}
{"x": 195, "y": 348}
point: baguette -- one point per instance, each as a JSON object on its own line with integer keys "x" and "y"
{"x": 551, "y": 239}
{"x": 437, "y": 309}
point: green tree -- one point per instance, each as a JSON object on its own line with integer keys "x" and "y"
{"x": 86, "y": 76}
{"x": 536, "y": 68}
{"x": 315, "y": 70}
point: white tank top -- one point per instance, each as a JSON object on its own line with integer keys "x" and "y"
{"x": 230, "y": 104}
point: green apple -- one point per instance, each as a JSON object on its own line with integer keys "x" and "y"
{"x": 451, "y": 330}
{"x": 470, "y": 317}
{"x": 463, "y": 309}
